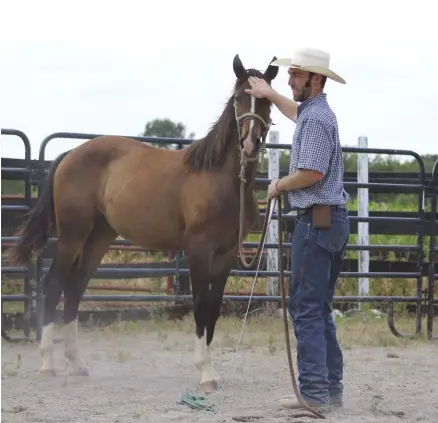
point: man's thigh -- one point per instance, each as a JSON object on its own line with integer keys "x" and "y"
{"x": 313, "y": 260}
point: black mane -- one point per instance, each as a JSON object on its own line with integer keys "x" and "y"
{"x": 210, "y": 152}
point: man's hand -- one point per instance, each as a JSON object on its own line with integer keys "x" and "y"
{"x": 273, "y": 189}
{"x": 259, "y": 88}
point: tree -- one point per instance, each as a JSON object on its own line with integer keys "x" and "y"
{"x": 166, "y": 128}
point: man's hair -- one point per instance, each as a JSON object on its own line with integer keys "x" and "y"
{"x": 323, "y": 78}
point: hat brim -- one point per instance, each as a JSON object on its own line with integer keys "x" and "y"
{"x": 315, "y": 69}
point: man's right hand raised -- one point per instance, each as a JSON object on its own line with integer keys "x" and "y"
{"x": 259, "y": 88}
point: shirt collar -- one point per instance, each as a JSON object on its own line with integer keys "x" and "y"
{"x": 312, "y": 100}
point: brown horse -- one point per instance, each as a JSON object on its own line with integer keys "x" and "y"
{"x": 156, "y": 198}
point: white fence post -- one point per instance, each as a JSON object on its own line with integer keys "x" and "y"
{"x": 272, "y": 253}
{"x": 363, "y": 235}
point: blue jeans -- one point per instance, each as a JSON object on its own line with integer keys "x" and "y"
{"x": 316, "y": 263}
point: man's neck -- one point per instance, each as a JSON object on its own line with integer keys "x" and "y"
{"x": 314, "y": 93}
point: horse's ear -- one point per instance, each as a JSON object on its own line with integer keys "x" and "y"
{"x": 238, "y": 68}
{"x": 272, "y": 71}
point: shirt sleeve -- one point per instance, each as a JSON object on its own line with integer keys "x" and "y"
{"x": 316, "y": 146}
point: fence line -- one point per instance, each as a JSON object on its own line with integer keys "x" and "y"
{"x": 34, "y": 171}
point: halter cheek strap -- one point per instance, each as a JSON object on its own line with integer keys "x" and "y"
{"x": 252, "y": 115}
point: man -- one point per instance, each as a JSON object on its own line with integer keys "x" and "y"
{"x": 321, "y": 233}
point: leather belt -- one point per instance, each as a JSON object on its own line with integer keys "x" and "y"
{"x": 306, "y": 210}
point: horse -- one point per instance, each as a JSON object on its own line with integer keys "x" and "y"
{"x": 181, "y": 200}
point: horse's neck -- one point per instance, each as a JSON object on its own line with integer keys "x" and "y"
{"x": 232, "y": 163}
{"x": 233, "y": 166}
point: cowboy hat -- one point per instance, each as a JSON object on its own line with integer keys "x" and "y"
{"x": 310, "y": 60}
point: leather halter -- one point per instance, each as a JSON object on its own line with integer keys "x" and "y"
{"x": 265, "y": 129}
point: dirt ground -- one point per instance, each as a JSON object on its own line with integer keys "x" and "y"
{"x": 138, "y": 373}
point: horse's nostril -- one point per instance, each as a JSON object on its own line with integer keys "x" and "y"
{"x": 258, "y": 140}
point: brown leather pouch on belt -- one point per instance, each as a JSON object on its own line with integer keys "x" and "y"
{"x": 321, "y": 216}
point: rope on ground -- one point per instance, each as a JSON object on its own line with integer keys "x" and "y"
{"x": 196, "y": 402}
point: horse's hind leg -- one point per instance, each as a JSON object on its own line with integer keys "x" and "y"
{"x": 96, "y": 245}
{"x": 70, "y": 242}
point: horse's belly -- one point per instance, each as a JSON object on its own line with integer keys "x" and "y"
{"x": 153, "y": 238}
{"x": 151, "y": 228}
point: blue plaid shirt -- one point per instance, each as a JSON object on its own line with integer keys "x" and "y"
{"x": 316, "y": 146}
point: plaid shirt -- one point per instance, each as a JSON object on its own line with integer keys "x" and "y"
{"x": 316, "y": 146}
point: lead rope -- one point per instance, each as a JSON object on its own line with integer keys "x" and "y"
{"x": 249, "y": 301}
{"x": 300, "y": 400}
{"x": 286, "y": 325}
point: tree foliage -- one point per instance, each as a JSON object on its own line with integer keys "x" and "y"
{"x": 166, "y": 128}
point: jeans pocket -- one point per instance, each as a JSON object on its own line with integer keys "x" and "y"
{"x": 302, "y": 230}
{"x": 334, "y": 239}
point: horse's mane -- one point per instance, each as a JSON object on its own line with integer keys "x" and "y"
{"x": 210, "y": 152}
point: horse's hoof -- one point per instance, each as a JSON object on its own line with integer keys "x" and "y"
{"x": 47, "y": 372}
{"x": 209, "y": 387}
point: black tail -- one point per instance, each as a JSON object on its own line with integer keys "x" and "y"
{"x": 39, "y": 223}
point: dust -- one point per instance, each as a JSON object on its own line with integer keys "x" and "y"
{"x": 139, "y": 375}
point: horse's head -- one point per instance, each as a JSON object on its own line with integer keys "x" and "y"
{"x": 252, "y": 114}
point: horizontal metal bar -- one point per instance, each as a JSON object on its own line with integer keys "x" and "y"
{"x": 15, "y": 208}
{"x": 22, "y": 171}
{"x": 372, "y": 247}
{"x": 14, "y": 270}
{"x": 354, "y": 247}
{"x": 188, "y": 141}
{"x": 404, "y": 187}
{"x": 357, "y": 218}
{"x": 381, "y": 274}
{"x": 379, "y": 185}
{"x": 16, "y": 297}
{"x": 148, "y": 273}
{"x": 255, "y": 298}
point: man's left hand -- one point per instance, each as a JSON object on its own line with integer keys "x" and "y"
{"x": 272, "y": 189}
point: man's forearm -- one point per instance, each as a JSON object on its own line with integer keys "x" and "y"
{"x": 299, "y": 179}
{"x": 286, "y": 105}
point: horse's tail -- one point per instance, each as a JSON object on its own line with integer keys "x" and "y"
{"x": 40, "y": 221}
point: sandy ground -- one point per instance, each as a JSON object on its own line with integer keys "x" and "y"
{"x": 139, "y": 376}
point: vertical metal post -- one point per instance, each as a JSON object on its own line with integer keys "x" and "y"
{"x": 432, "y": 253}
{"x": 363, "y": 211}
{"x": 272, "y": 253}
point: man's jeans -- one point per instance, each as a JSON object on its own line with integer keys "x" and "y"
{"x": 316, "y": 262}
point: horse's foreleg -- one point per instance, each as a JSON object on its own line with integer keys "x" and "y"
{"x": 200, "y": 274}
{"x": 217, "y": 288}
{"x": 201, "y": 354}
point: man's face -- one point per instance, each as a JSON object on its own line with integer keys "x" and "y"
{"x": 298, "y": 81}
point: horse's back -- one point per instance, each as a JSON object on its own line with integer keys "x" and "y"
{"x": 99, "y": 169}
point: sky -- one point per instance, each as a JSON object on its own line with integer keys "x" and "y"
{"x": 108, "y": 67}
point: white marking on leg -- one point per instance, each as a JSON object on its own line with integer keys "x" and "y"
{"x": 202, "y": 360}
{"x": 46, "y": 348}
{"x": 72, "y": 347}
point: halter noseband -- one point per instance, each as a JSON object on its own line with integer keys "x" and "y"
{"x": 251, "y": 116}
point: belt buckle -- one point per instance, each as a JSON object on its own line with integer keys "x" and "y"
{"x": 302, "y": 211}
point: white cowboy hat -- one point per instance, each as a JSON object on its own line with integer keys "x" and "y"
{"x": 311, "y": 60}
